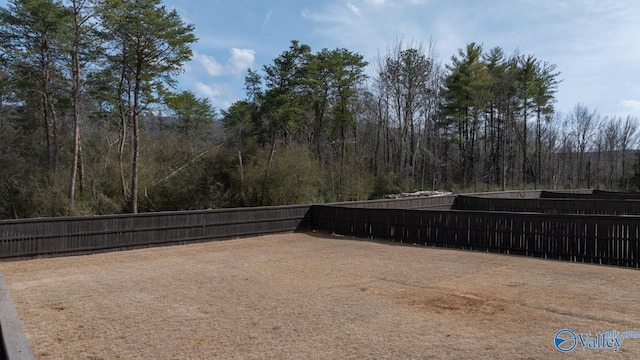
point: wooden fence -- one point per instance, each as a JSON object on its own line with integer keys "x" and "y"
{"x": 583, "y": 205}
{"x": 49, "y": 236}
{"x": 600, "y": 239}
{"x": 444, "y": 202}
{"x": 14, "y": 345}
{"x": 432, "y": 202}
{"x": 593, "y": 194}
{"x": 610, "y": 240}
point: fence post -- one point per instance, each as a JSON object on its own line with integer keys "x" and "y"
{"x": 14, "y": 343}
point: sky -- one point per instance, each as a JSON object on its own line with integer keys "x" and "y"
{"x": 594, "y": 43}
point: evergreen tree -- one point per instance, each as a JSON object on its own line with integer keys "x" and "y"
{"x": 465, "y": 101}
{"x": 32, "y": 33}
{"x": 192, "y": 116}
{"x": 148, "y": 46}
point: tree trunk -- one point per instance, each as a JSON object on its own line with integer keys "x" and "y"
{"x": 81, "y": 176}
{"x": 125, "y": 110}
{"x": 343, "y": 155}
{"x": 377, "y": 147}
{"x": 538, "y": 149}
{"x": 136, "y": 139}
{"x": 121, "y": 144}
{"x": 76, "y": 108}
{"x": 47, "y": 131}
{"x": 267, "y": 171}
{"x": 46, "y": 93}
{"x": 524, "y": 148}
{"x": 242, "y": 191}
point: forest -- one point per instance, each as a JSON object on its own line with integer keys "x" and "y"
{"x": 91, "y": 123}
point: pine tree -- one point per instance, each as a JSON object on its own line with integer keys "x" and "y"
{"x": 150, "y": 45}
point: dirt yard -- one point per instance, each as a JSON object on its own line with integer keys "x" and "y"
{"x": 311, "y": 296}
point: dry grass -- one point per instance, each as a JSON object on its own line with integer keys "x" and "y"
{"x": 313, "y": 296}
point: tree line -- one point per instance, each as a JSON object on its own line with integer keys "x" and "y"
{"x": 90, "y": 122}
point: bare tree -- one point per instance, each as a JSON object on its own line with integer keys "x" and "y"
{"x": 611, "y": 140}
{"x": 628, "y": 141}
{"x": 405, "y": 77}
{"x": 584, "y": 125}
{"x": 81, "y": 15}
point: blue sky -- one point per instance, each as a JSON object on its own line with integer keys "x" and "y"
{"x": 594, "y": 43}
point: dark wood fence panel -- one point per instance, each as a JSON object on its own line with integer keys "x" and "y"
{"x": 596, "y": 239}
{"x": 550, "y": 205}
{"x": 593, "y": 194}
{"x": 34, "y": 237}
{"x": 600, "y": 239}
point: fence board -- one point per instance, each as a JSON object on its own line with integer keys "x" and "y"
{"x": 35, "y": 237}
{"x": 599, "y": 239}
{"x": 549, "y": 205}
{"x": 594, "y": 194}
{"x": 549, "y": 233}
{"x": 14, "y": 344}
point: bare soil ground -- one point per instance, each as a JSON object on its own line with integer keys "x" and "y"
{"x": 317, "y": 297}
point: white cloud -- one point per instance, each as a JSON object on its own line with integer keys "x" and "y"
{"x": 335, "y": 13}
{"x": 210, "y": 64}
{"x": 267, "y": 18}
{"x": 354, "y": 9}
{"x": 396, "y": 3}
{"x": 209, "y": 91}
{"x": 314, "y": 16}
{"x": 366, "y": 26}
{"x": 221, "y": 95}
{"x": 239, "y": 61}
{"x": 630, "y": 104}
{"x": 341, "y": 26}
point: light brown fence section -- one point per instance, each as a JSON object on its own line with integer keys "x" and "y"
{"x": 443, "y": 202}
{"x": 431, "y": 202}
{"x": 14, "y": 343}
